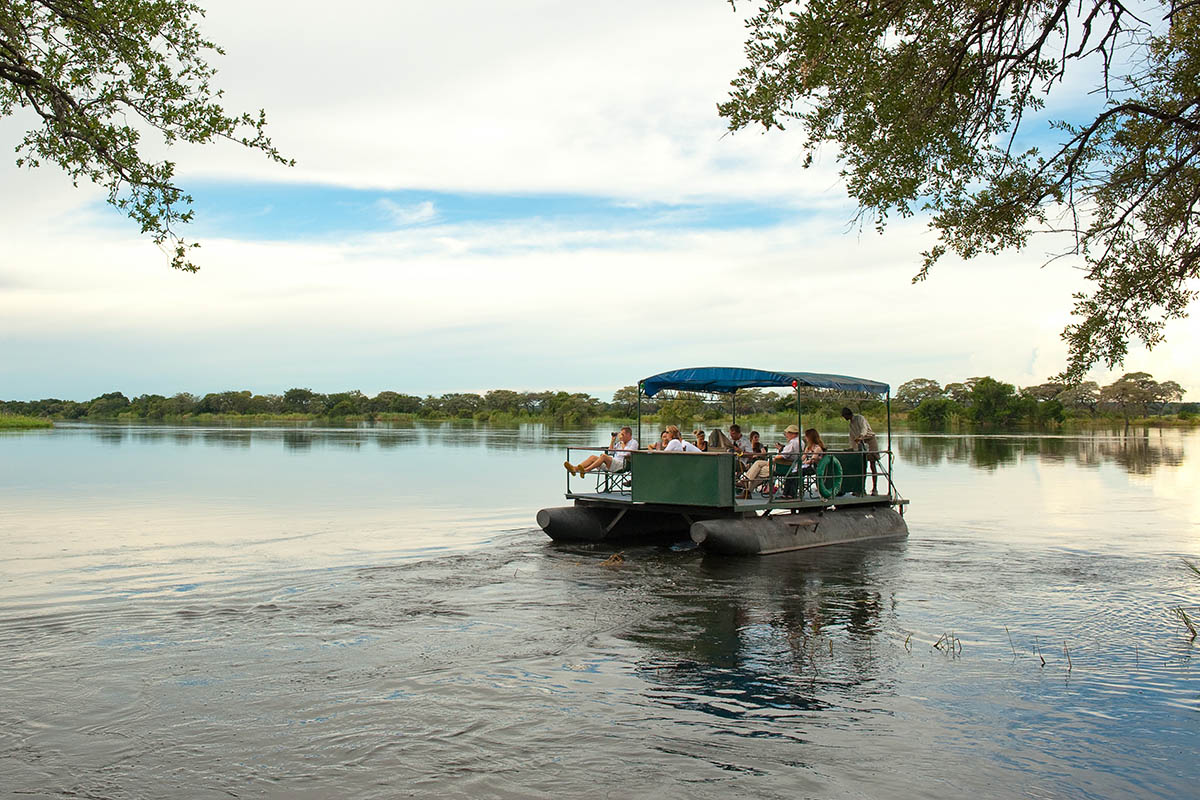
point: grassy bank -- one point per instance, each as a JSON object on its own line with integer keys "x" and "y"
{"x": 17, "y": 421}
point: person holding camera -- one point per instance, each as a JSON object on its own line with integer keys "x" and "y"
{"x": 615, "y": 459}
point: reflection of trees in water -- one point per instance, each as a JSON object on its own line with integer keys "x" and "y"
{"x": 298, "y": 440}
{"x": 1142, "y": 454}
{"x": 1138, "y": 451}
{"x": 227, "y": 438}
{"x": 464, "y": 434}
{"x": 755, "y": 635}
{"x": 113, "y": 435}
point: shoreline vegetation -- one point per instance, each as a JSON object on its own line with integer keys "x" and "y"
{"x": 23, "y": 422}
{"x": 922, "y": 404}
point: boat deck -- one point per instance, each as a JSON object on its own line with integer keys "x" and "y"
{"x": 754, "y": 504}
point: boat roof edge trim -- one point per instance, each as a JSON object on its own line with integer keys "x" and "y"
{"x": 730, "y": 379}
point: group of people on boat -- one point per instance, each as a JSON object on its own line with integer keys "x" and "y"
{"x": 752, "y": 455}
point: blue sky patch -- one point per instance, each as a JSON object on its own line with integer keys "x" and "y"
{"x": 306, "y": 211}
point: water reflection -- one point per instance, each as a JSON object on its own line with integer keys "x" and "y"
{"x": 316, "y": 599}
{"x": 384, "y": 436}
{"x": 1139, "y": 452}
{"x": 764, "y": 638}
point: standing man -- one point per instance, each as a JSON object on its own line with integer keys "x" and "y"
{"x": 863, "y": 438}
{"x": 615, "y": 460}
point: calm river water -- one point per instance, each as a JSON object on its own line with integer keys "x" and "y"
{"x": 312, "y": 613}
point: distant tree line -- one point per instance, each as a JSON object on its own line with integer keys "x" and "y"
{"x": 977, "y": 400}
{"x": 988, "y": 401}
{"x": 563, "y": 407}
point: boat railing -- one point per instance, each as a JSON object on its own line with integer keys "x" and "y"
{"x": 784, "y": 485}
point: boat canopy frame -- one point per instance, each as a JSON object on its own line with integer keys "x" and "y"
{"x": 727, "y": 380}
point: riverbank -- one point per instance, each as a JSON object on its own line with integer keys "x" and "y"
{"x": 20, "y": 422}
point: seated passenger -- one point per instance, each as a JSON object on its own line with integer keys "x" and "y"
{"x": 755, "y": 446}
{"x": 701, "y": 442}
{"x": 677, "y": 444}
{"x": 814, "y": 449}
{"x": 661, "y": 444}
{"x": 761, "y": 470}
{"x": 615, "y": 460}
{"x": 718, "y": 441}
{"x": 737, "y": 442}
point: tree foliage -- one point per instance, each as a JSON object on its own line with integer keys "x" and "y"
{"x": 1136, "y": 391}
{"x": 929, "y": 105}
{"x": 94, "y": 75}
{"x": 912, "y": 393}
{"x": 1083, "y": 396}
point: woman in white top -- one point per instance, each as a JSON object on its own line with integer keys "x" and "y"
{"x": 677, "y": 444}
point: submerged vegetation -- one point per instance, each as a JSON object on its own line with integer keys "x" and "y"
{"x": 1184, "y": 615}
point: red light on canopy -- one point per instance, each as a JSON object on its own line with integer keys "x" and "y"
{"x": 795, "y": 385}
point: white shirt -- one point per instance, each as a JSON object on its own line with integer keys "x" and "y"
{"x": 620, "y": 451}
{"x": 791, "y": 448}
{"x": 743, "y": 443}
{"x": 859, "y": 429}
{"x": 677, "y": 445}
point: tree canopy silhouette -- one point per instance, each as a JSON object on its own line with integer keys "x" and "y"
{"x": 932, "y": 107}
{"x": 96, "y": 75}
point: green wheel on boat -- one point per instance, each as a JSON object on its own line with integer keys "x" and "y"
{"x": 829, "y": 477}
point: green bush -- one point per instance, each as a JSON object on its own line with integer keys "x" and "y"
{"x": 935, "y": 412}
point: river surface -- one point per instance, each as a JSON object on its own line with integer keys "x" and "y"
{"x": 318, "y": 613}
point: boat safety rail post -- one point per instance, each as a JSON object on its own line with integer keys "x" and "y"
{"x": 889, "y": 440}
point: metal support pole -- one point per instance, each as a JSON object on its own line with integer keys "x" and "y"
{"x": 889, "y": 439}
{"x": 639, "y": 412}
{"x": 733, "y": 403}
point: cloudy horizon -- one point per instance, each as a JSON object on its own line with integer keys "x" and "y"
{"x": 554, "y": 203}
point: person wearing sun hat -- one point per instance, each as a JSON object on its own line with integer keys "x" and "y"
{"x": 761, "y": 470}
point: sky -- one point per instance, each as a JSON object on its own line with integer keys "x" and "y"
{"x": 526, "y": 195}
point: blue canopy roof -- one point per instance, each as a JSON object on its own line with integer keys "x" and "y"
{"x": 730, "y": 379}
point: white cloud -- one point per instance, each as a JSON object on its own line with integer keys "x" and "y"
{"x": 616, "y": 100}
{"x": 408, "y": 215}
{"x": 441, "y": 307}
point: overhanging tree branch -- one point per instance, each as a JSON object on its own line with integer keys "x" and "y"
{"x": 927, "y": 101}
{"x": 84, "y": 68}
